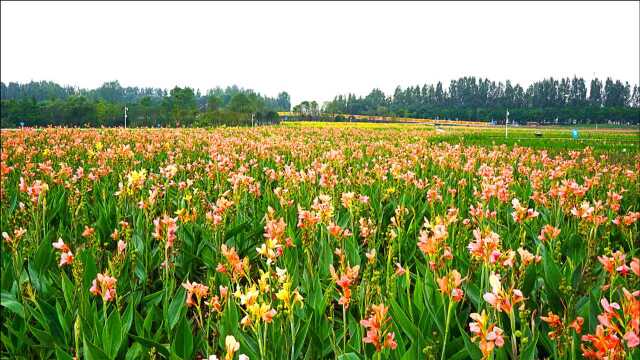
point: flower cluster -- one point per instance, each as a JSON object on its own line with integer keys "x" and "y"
{"x": 377, "y": 326}
{"x": 105, "y": 286}
{"x": 66, "y": 256}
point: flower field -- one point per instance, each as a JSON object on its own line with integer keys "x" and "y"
{"x": 300, "y": 242}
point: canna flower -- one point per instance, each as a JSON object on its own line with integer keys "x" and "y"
{"x": 17, "y": 234}
{"x": 231, "y": 346}
{"x": 627, "y": 220}
{"x": 488, "y": 334}
{"x": 450, "y": 285}
{"x": 122, "y": 246}
{"x": 165, "y": 229}
{"x": 554, "y": 323}
{"x": 528, "y": 258}
{"x": 377, "y": 327}
{"x": 635, "y": 266}
{"x": 500, "y": 299}
{"x": 274, "y": 232}
{"x": 66, "y": 256}
{"x": 485, "y": 246}
{"x": 371, "y": 256}
{"x": 345, "y": 281}
{"x": 367, "y": 229}
{"x": 105, "y": 286}
{"x": 521, "y": 213}
{"x": 337, "y": 232}
{"x": 323, "y": 208}
{"x": 400, "y": 270}
{"x": 136, "y": 179}
{"x": 194, "y": 289}
{"x": 60, "y": 245}
{"x": 347, "y": 199}
{"x": 88, "y": 231}
{"x": 548, "y": 233}
{"x": 577, "y": 324}
{"x": 615, "y": 263}
{"x": 585, "y": 211}
{"x": 432, "y": 237}
{"x": 289, "y": 298}
{"x": 237, "y": 267}
{"x": 618, "y": 329}
{"x": 307, "y": 219}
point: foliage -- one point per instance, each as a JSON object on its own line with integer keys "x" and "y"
{"x": 469, "y": 98}
{"x": 47, "y": 103}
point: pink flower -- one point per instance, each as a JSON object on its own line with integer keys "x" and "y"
{"x": 635, "y": 266}
{"x": 632, "y": 339}
{"x": 60, "y": 245}
{"x": 496, "y": 336}
{"x": 66, "y": 258}
{"x": 122, "y": 246}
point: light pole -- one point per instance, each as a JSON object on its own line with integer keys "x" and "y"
{"x": 125, "y": 116}
{"x": 506, "y": 122}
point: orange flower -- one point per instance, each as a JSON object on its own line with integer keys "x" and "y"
{"x": 345, "y": 281}
{"x": 450, "y": 285}
{"x": 165, "y": 229}
{"x": 377, "y": 329}
{"x": 500, "y": 299}
{"x": 88, "y": 231}
{"x": 488, "y": 334}
{"x": 66, "y": 256}
{"x": 195, "y": 289}
{"x": 548, "y": 233}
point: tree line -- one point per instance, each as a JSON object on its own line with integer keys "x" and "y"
{"x": 471, "y": 98}
{"x": 47, "y": 103}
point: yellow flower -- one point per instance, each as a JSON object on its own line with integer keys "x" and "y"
{"x": 231, "y": 346}
{"x": 264, "y": 282}
{"x": 249, "y": 298}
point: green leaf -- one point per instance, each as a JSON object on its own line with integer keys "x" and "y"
{"x": 11, "y": 303}
{"x": 348, "y": 356}
{"x": 183, "y": 340}
{"x": 127, "y": 320}
{"x": 67, "y": 290}
{"x": 92, "y": 352}
{"x": 112, "y": 335}
{"x": 90, "y": 268}
{"x": 552, "y": 278}
{"x": 529, "y": 351}
{"x": 134, "y": 352}
{"x": 64, "y": 323}
{"x": 154, "y": 299}
{"x": 176, "y": 307}
{"x": 147, "y": 343}
{"x": 404, "y": 323}
{"x": 472, "y": 350}
{"x": 62, "y": 355}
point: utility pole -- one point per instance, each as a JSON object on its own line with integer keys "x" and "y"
{"x": 125, "y": 116}
{"x": 506, "y": 122}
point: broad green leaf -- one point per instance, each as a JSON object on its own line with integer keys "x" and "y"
{"x": 183, "y": 340}
{"x": 92, "y": 352}
{"x": 147, "y": 343}
{"x": 10, "y": 302}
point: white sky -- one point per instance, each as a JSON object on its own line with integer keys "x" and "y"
{"x": 316, "y": 50}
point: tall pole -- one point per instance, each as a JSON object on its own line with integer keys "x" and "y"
{"x": 125, "y": 117}
{"x": 506, "y": 122}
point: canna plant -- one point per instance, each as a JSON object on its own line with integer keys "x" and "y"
{"x": 314, "y": 243}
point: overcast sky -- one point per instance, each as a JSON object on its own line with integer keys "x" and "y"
{"x": 316, "y": 50}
